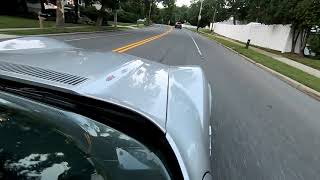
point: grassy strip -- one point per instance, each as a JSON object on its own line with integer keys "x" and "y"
{"x": 18, "y": 22}
{"x": 303, "y": 60}
{"x": 139, "y": 26}
{"x": 121, "y": 23}
{"x": 128, "y": 24}
{"x": 311, "y": 62}
{"x": 289, "y": 71}
{"x": 58, "y": 30}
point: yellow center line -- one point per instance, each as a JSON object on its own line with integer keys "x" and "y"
{"x": 141, "y": 42}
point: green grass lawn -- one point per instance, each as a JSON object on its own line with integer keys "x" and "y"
{"x": 314, "y": 63}
{"x": 63, "y": 30}
{"x": 18, "y": 22}
{"x": 121, "y": 23}
{"x": 294, "y": 73}
{"x": 139, "y": 25}
{"x": 206, "y": 30}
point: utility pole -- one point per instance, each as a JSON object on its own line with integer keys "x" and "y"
{"x": 199, "y": 17}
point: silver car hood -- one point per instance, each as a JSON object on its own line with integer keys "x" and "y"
{"x": 121, "y": 79}
{"x": 176, "y": 100}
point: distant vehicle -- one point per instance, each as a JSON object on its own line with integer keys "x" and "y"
{"x": 178, "y": 25}
{"x": 68, "y": 113}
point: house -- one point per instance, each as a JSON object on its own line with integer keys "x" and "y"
{"x": 35, "y": 5}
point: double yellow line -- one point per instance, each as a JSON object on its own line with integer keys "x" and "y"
{"x": 141, "y": 42}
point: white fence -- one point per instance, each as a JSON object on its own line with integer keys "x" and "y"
{"x": 276, "y": 37}
{"x": 189, "y": 26}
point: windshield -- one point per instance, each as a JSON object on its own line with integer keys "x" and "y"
{"x": 42, "y": 142}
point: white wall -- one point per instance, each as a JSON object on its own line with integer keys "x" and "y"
{"x": 276, "y": 37}
{"x": 189, "y": 26}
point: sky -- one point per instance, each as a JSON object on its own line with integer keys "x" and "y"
{"x": 183, "y": 2}
{"x": 179, "y": 3}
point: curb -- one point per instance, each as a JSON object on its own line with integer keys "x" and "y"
{"x": 301, "y": 87}
{"x": 61, "y": 34}
{"x": 57, "y": 34}
{"x": 7, "y": 37}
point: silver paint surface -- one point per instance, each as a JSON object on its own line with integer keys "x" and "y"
{"x": 133, "y": 83}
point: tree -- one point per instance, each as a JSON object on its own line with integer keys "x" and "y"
{"x": 301, "y": 14}
{"x": 237, "y": 9}
{"x": 210, "y": 9}
{"x": 181, "y": 13}
{"x": 169, "y": 9}
{"x": 76, "y": 10}
{"x": 307, "y": 14}
{"x": 115, "y": 5}
{"x": 153, "y": 13}
{"x": 135, "y": 7}
{"x": 193, "y": 13}
{"x": 59, "y": 14}
{"x": 112, "y": 5}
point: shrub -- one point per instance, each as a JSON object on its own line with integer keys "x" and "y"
{"x": 125, "y": 17}
{"x": 92, "y": 13}
{"x": 314, "y": 42}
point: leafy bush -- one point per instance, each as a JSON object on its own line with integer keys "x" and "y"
{"x": 92, "y": 13}
{"x": 314, "y": 42}
{"x": 125, "y": 17}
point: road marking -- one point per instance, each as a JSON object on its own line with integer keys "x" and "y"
{"x": 94, "y": 37}
{"x": 194, "y": 42}
{"x": 141, "y": 42}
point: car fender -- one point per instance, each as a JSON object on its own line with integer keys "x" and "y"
{"x": 188, "y": 119}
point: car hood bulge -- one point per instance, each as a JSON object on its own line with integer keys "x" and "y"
{"x": 121, "y": 79}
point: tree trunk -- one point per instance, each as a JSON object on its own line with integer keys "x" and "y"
{"x": 76, "y": 10}
{"x": 234, "y": 20}
{"x": 22, "y": 7}
{"x": 115, "y": 18}
{"x": 295, "y": 36}
{"x": 213, "y": 17}
{"x": 100, "y": 16}
{"x": 42, "y": 6}
{"x": 60, "y": 14}
{"x": 99, "y": 21}
{"x": 150, "y": 5}
{"x": 304, "y": 37}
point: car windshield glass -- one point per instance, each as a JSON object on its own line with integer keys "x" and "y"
{"x": 42, "y": 142}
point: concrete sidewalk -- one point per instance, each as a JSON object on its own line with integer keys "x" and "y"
{"x": 285, "y": 60}
{"x": 290, "y": 62}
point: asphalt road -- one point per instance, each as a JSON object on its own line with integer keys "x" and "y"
{"x": 263, "y": 128}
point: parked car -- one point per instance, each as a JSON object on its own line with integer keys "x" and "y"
{"x": 178, "y": 25}
{"x": 67, "y": 113}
